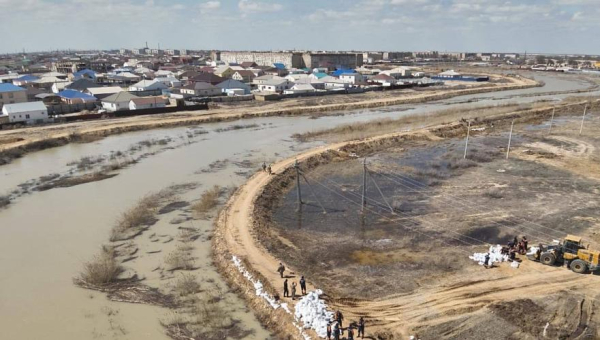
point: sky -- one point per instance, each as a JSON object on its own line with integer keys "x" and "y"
{"x": 535, "y": 26}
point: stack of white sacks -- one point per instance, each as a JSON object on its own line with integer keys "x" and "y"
{"x": 312, "y": 311}
{"x": 495, "y": 255}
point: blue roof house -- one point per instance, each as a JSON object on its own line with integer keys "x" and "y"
{"x": 76, "y": 97}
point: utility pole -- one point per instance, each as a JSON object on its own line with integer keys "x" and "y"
{"x": 298, "y": 184}
{"x": 551, "y": 120}
{"x": 364, "y": 186}
{"x": 467, "y": 141}
{"x": 510, "y": 138}
{"x": 583, "y": 119}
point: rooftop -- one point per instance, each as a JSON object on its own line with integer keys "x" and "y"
{"x": 8, "y": 87}
{"x": 24, "y": 107}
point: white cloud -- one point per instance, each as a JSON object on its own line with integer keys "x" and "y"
{"x": 248, "y": 7}
{"x": 209, "y": 6}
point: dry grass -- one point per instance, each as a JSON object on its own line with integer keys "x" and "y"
{"x": 208, "y": 201}
{"x": 186, "y": 284}
{"x": 4, "y": 201}
{"x": 409, "y": 122}
{"x": 102, "y": 269}
{"x": 180, "y": 258}
{"x": 208, "y": 318}
{"x": 131, "y": 222}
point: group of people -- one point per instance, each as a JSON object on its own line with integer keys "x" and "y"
{"x": 511, "y": 249}
{"x": 334, "y": 328}
{"x": 515, "y": 246}
{"x": 266, "y": 168}
{"x": 286, "y": 288}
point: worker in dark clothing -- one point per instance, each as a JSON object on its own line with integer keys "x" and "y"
{"x": 269, "y": 170}
{"x": 350, "y": 333}
{"x": 512, "y": 254}
{"x": 525, "y": 243}
{"x": 328, "y": 331}
{"x": 339, "y": 318}
{"x": 286, "y": 292}
{"x": 486, "y": 261}
{"x": 264, "y": 167}
{"x": 303, "y": 285}
{"x": 361, "y": 327}
{"x": 515, "y": 241}
{"x": 336, "y": 331}
{"x": 281, "y": 269}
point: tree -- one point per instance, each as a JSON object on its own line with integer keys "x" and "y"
{"x": 540, "y": 59}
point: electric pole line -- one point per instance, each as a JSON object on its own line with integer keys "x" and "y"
{"x": 583, "y": 119}
{"x": 551, "y": 120}
{"x": 314, "y": 194}
{"x": 380, "y": 192}
{"x": 510, "y": 138}
{"x": 364, "y": 186}
{"x": 297, "y": 167}
{"x": 467, "y": 140}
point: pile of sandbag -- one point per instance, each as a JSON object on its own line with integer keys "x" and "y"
{"x": 495, "y": 255}
{"x": 312, "y": 312}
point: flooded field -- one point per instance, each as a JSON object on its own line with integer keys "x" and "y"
{"x": 427, "y": 208}
{"x": 47, "y": 235}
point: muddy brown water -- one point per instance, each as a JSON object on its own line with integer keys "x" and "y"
{"x": 46, "y": 236}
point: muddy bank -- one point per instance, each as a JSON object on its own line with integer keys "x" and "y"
{"x": 23, "y": 146}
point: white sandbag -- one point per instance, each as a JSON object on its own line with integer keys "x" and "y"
{"x": 495, "y": 255}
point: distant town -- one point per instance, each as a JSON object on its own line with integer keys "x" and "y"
{"x": 45, "y": 87}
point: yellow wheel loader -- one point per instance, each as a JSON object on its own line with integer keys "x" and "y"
{"x": 570, "y": 252}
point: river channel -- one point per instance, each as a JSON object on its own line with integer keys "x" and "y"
{"x": 46, "y": 236}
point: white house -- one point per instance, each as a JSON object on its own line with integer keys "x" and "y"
{"x": 29, "y": 113}
{"x": 265, "y": 78}
{"x": 275, "y": 85}
{"x": 297, "y": 76}
{"x": 103, "y": 92}
{"x": 334, "y": 83}
{"x": 147, "y": 85}
{"x": 201, "y": 89}
{"x": 169, "y": 81}
{"x": 352, "y": 78}
{"x": 146, "y": 103}
{"x": 300, "y": 88}
{"x": 118, "y": 101}
{"x": 316, "y": 83}
{"x": 384, "y": 79}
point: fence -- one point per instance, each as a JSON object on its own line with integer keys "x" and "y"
{"x": 140, "y": 112}
{"x": 60, "y": 109}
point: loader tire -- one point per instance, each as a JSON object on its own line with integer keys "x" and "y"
{"x": 547, "y": 259}
{"x": 579, "y": 266}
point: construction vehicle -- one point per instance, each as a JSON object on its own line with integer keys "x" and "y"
{"x": 570, "y": 252}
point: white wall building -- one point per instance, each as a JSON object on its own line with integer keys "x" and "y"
{"x": 146, "y": 103}
{"x": 29, "y": 113}
{"x": 118, "y": 101}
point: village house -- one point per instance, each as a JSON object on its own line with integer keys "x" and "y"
{"x": 103, "y": 92}
{"x": 206, "y": 78}
{"x": 263, "y": 79}
{"x": 148, "y": 86}
{"x": 275, "y": 85}
{"x": 300, "y": 88}
{"x": 234, "y": 87}
{"x": 244, "y": 76}
{"x": 24, "y": 80}
{"x": 201, "y": 89}
{"x": 118, "y": 101}
{"x": 146, "y": 103}
{"x": 383, "y": 79}
{"x": 29, "y": 113}
{"x": 224, "y": 71}
{"x": 75, "y": 97}
{"x": 10, "y": 94}
{"x": 352, "y": 78}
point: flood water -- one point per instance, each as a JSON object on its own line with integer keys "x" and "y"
{"x": 46, "y": 236}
